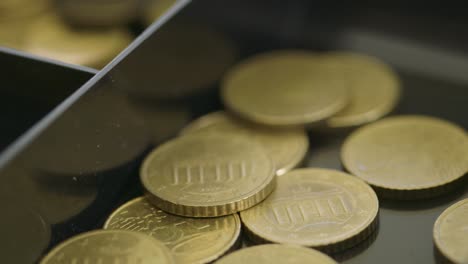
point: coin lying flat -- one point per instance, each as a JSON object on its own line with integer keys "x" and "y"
{"x": 408, "y": 157}
{"x": 206, "y": 175}
{"x": 286, "y": 147}
{"x": 271, "y": 254}
{"x": 191, "y": 240}
{"x": 325, "y": 209}
{"x": 50, "y": 37}
{"x": 110, "y": 246}
{"x": 284, "y": 88}
{"x": 373, "y": 88}
{"x": 451, "y": 232}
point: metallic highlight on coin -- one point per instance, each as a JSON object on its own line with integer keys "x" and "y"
{"x": 284, "y": 88}
{"x": 272, "y": 254}
{"x": 325, "y": 209}
{"x": 287, "y": 147}
{"x": 205, "y": 175}
{"x": 191, "y": 240}
{"x": 408, "y": 157}
{"x": 451, "y": 232}
{"x": 373, "y": 87}
{"x": 110, "y": 246}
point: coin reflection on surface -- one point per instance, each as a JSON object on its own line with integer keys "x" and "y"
{"x": 110, "y": 246}
{"x": 373, "y": 88}
{"x": 284, "y": 88}
{"x": 451, "y": 233}
{"x": 408, "y": 157}
{"x": 50, "y": 37}
{"x": 272, "y": 254}
{"x": 206, "y": 175}
{"x": 25, "y": 234}
{"x": 191, "y": 240}
{"x": 325, "y": 209}
{"x": 286, "y": 147}
{"x": 186, "y": 58}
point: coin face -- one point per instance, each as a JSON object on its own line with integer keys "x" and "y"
{"x": 319, "y": 208}
{"x": 110, "y": 246}
{"x": 206, "y": 175}
{"x": 50, "y": 37}
{"x": 191, "y": 240}
{"x": 286, "y": 147}
{"x": 272, "y": 254}
{"x": 373, "y": 88}
{"x": 406, "y": 154}
{"x": 284, "y": 88}
{"x": 451, "y": 232}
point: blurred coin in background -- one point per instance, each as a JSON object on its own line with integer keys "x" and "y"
{"x": 50, "y": 37}
{"x": 98, "y": 12}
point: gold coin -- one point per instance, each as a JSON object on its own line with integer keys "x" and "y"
{"x": 451, "y": 232}
{"x": 50, "y": 37}
{"x": 206, "y": 175}
{"x": 191, "y": 240}
{"x": 325, "y": 209}
{"x": 272, "y": 254}
{"x": 110, "y": 246}
{"x": 407, "y": 157}
{"x": 286, "y": 147}
{"x": 284, "y": 88}
{"x": 373, "y": 88}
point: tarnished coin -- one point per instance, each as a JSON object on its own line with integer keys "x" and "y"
{"x": 52, "y": 38}
{"x": 191, "y": 240}
{"x": 272, "y": 254}
{"x": 284, "y": 88}
{"x": 110, "y": 246}
{"x": 320, "y": 208}
{"x": 451, "y": 232}
{"x": 287, "y": 147}
{"x": 206, "y": 175}
{"x": 408, "y": 157}
{"x": 373, "y": 88}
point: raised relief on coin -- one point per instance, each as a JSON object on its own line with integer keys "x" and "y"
{"x": 284, "y": 88}
{"x": 191, "y": 240}
{"x": 110, "y": 246}
{"x": 207, "y": 175}
{"x": 272, "y": 254}
{"x": 373, "y": 88}
{"x": 408, "y": 157}
{"x": 451, "y": 232}
{"x": 319, "y": 208}
{"x": 286, "y": 147}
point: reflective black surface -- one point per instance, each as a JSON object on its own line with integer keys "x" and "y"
{"x": 85, "y": 162}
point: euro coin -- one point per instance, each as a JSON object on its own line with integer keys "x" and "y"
{"x": 191, "y": 240}
{"x": 408, "y": 157}
{"x": 207, "y": 175}
{"x": 325, "y": 209}
{"x": 287, "y": 147}
{"x": 284, "y": 88}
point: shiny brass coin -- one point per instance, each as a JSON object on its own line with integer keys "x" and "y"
{"x": 191, "y": 240}
{"x": 206, "y": 175}
{"x": 325, "y": 209}
{"x": 408, "y": 157}
{"x": 286, "y": 147}
{"x": 284, "y": 88}
{"x": 451, "y": 232}
{"x": 272, "y": 254}
{"x": 155, "y": 9}
{"x": 110, "y": 246}
{"x": 52, "y": 38}
{"x": 373, "y": 88}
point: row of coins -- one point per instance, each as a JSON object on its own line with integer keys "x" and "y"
{"x": 84, "y": 32}
{"x": 225, "y": 163}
